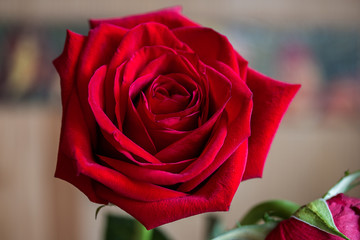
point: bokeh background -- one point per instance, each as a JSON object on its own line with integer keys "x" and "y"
{"x": 312, "y": 42}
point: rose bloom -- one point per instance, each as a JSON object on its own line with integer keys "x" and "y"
{"x": 346, "y": 214}
{"x": 162, "y": 117}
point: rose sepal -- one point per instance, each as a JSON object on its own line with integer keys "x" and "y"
{"x": 318, "y": 215}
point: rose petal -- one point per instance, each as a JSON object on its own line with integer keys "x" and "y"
{"x": 179, "y": 122}
{"x": 67, "y": 62}
{"x": 271, "y": 99}
{"x": 215, "y": 48}
{"x": 171, "y": 17}
{"x": 160, "y": 177}
{"x": 147, "y": 34}
{"x": 132, "y": 125}
{"x": 118, "y": 140}
{"x": 234, "y": 140}
{"x": 220, "y": 90}
{"x": 75, "y": 135}
{"x": 99, "y": 48}
{"x": 215, "y": 195}
{"x": 176, "y": 167}
{"x": 166, "y": 95}
{"x": 190, "y": 145}
{"x": 121, "y": 184}
{"x": 238, "y": 114}
{"x": 243, "y": 65}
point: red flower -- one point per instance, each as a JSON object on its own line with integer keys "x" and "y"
{"x": 346, "y": 215}
{"x": 162, "y": 117}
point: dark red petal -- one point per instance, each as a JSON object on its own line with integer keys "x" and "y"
{"x": 129, "y": 121}
{"x": 98, "y": 50}
{"x": 136, "y": 131}
{"x": 121, "y": 184}
{"x": 171, "y": 17}
{"x": 239, "y": 92}
{"x": 238, "y": 114}
{"x": 134, "y": 128}
{"x": 236, "y": 138}
{"x": 209, "y": 45}
{"x": 113, "y": 135}
{"x": 120, "y": 106}
{"x": 215, "y": 195}
{"x": 75, "y": 135}
{"x": 166, "y": 95}
{"x": 147, "y": 34}
{"x": 160, "y": 177}
{"x": 271, "y": 100}
{"x": 219, "y": 90}
{"x": 243, "y": 65}
{"x": 176, "y": 167}
{"x": 190, "y": 145}
{"x": 178, "y": 122}
{"x": 67, "y": 62}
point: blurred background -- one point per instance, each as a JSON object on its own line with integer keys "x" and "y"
{"x": 312, "y": 42}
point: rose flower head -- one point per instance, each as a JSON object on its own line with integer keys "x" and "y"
{"x": 162, "y": 117}
{"x": 345, "y": 212}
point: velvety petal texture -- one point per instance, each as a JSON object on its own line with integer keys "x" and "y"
{"x": 162, "y": 117}
{"x": 346, "y": 215}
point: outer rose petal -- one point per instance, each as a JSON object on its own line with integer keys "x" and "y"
{"x": 66, "y": 65}
{"x": 74, "y": 128}
{"x": 271, "y": 100}
{"x": 346, "y": 214}
{"x": 171, "y": 17}
{"x": 215, "y": 195}
{"x": 221, "y": 48}
{"x": 67, "y": 62}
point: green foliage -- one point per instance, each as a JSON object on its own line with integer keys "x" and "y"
{"x": 248, "y": 232}
{"x": 282, "y": 209}
{"x": 124, "y": 228}
{"x": 345, "y": 184}
{"x": 214, "y": 227}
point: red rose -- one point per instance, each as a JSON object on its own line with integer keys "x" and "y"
{"x": 346, "y": 214}
{"x": 162, "y": 117}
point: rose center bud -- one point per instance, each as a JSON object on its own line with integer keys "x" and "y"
{"x": 166, "y": 95}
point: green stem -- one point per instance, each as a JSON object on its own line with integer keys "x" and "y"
{"x": 141, "y": 233}
{"x": 279, "y": 208}
{"x": 345, "y": 184}
{"x": 249, "y": 232}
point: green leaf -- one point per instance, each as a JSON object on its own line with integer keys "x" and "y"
{"x": 125, "y": 228}
{"x": 317, "y": 214}
{"x": 141, "y": 233}
{"x": 345, "y": 184}
{"x": 214, "y": 226}
{"x": 248, "y": 232}
{"x": 279, "y": 208}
